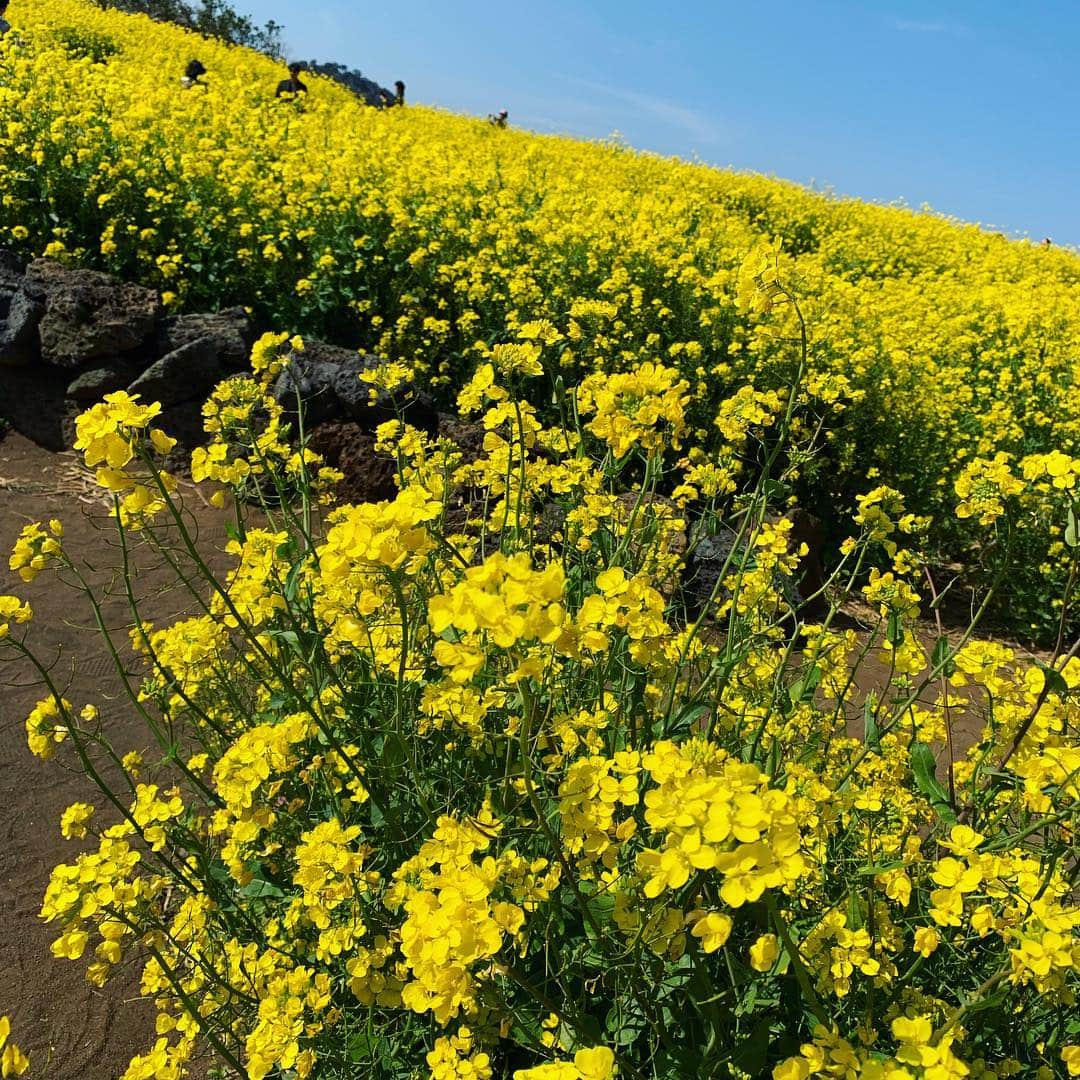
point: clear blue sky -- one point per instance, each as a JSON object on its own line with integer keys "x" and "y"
{"x": 971, "y": 107}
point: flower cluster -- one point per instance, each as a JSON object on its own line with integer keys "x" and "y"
{"x": 13, "y": 1062}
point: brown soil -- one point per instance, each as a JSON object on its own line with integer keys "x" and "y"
{"x": 70, "y": 1029}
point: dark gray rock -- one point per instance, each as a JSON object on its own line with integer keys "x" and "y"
{"x": 185, "y": 374}
{"x": 327, "y": 380}
{"x": 308, "y": 380}
{"x": 809, "y": 582}
{"x": 184, "y": 423}
{"x": 89, "y": 315}
{"x": 466, "y": 435}
{"x": 704, "y": 568}
{"x": 20, "y": 315}
{"x": 358, "y": 399}
{"x": 33, "y": 400}
{"x": 91, "y": 386}
{"x": 705, "y": 563}
{"x": 230, "y": 331}
{"x": 368, "y": 475}
{"x": 12, "y": 269}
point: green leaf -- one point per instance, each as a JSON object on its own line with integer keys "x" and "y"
{"x": 690, "y": 719}
{"x": 991, "y": 1002}
{"x": 871, "y": 731}
{"x": 894, "y": 631}
{"x": 753, "y": 1055}
{"x": 880, "y": 868}
{"x": 1072, "y": 532}
{"x": 1054, "y": 680}
{"x": 924, "y": 767}
{"x": 804, "y": 688}
{"x": 257, "y": 889}
{"x": 292, "y": 583}
{"x": 393, "y": 751}
{"x": 678, "y": 1060}
{"x": 626, "y": 1023}
{"x": 774, "y": 490}
{"x": 855, "y": 911}
{"x": 677, "y": 976}
{"x": 360, "y": 1047}
{"x": 590, "y": 1031}
{"x": 601, "y": 907}
{"x": 942, "y": 658}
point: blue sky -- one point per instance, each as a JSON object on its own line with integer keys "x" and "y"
{"x": 971, "y": 107}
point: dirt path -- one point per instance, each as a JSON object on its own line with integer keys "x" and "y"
{"x": 71, "y": 1030}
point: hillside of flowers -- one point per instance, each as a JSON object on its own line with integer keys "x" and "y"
{"x": 491, "y": 780}
{"x": 428, "y": 238}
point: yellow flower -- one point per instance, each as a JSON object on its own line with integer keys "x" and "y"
{"x": 1070, "y": 1055}
{"x": 927, "y": 940}
{"x": 984, "y": 485}
{"x": 13, "y": 1062}
{"x": 34, "y": 549}
{"x": 595, "y": 1064}
{"x": 763, "y": 952}
{"x": 75, "y": 820}
{"x": 12, "y": 610}
{"x": 644, "y": 408}
{"x": 713, "y": 929}
{"x": 792, "y": 1069}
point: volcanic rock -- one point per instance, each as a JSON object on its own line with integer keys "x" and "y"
{"x": 88, "y": 314}
{"x": 19, "y": 318}
{"x": 703, "y": 569}
{"x": 92, "y": 385}
{"x": 33, "y": 399}
{"x": 230, "y": 332}
{"x": 466, "y": 435}
{"x": 327, "y": 380}
{"x": 185, "y": 374}
{"x": 369, "y": 475}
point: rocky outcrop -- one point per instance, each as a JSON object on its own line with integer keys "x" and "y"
{"x": 325, "y": 382}
{"x": 69, "y": 336}
{"x": 704, "y": 567}
{"x": 89, "y": 315}
{"x": 466, "y": 435}
{"x": 714, "y": 557}
{"x": 187, "y": 373}
{"x": 20, "y": 314}
{"x": 19, "y": 318}
{"x": 230, "y": 332}
{"x": 94, "y": 383}
{"x": 368, "y": 474}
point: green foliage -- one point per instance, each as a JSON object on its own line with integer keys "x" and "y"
{"x": 214, "y": 18}
{"x": 80, "y": 42}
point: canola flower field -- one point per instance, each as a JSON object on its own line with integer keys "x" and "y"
{"x": 470, "y": 783}
{"x": 427, "y": 238}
